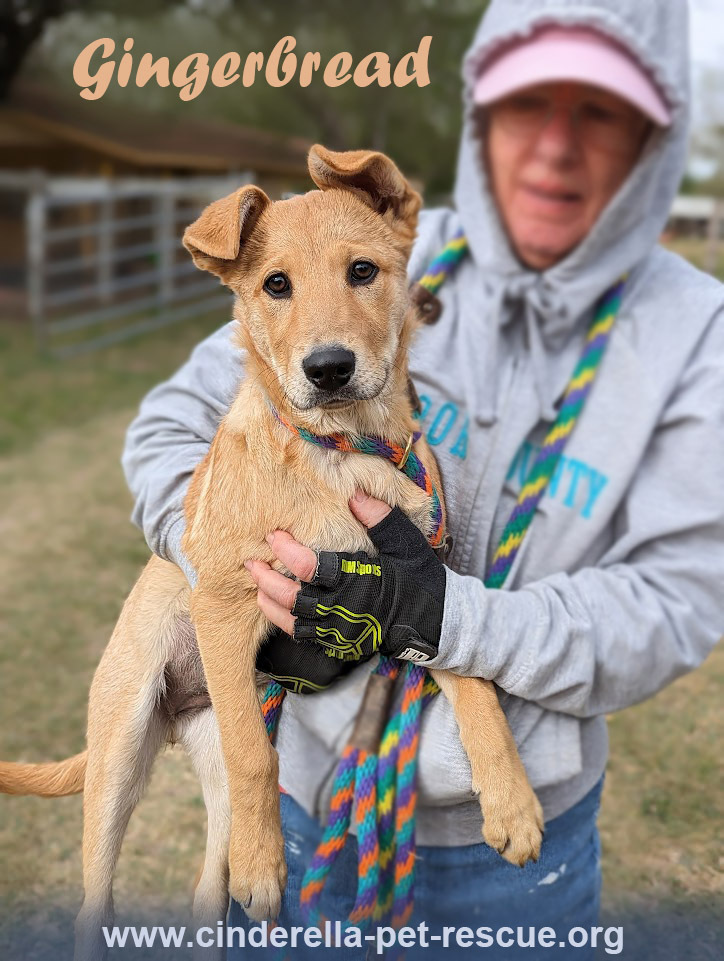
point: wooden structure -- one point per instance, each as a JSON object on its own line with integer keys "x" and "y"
{"x": 53, "y": 132}
{"x": 83, "y": 186}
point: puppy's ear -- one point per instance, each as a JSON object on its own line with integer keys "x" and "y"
{"x": 375, "y": 179}
{"x": 215, "y": 239}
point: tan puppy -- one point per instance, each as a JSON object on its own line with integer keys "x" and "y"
{"x": 149, "y": 687}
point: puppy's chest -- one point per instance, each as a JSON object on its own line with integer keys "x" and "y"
{"x": 333, "y": 480}
{"x": 246, "y": 493}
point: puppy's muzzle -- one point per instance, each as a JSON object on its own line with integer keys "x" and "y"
{"x": 329, "y": 368}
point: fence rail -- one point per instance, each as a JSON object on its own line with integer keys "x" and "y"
{"x": 104, "y": 256}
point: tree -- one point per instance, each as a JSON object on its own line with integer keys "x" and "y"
{"x": 21, "y": 23}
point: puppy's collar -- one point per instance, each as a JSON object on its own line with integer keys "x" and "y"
{"x": 403, "y": 457}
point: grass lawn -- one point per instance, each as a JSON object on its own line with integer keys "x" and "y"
{"x": 69, "y": 558}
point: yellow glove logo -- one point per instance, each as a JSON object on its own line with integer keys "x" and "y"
{"x": 357, "y": 567}
{"x": 345, "y": 647}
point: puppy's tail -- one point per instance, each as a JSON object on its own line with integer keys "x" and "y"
{"x": 55, "y": 779}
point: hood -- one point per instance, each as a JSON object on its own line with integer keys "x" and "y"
{"x": 552, "y": 302}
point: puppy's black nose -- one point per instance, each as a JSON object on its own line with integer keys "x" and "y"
{"x": 329, "y": 368}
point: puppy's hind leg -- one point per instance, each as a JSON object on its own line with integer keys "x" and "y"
{"x": 121, "y": 751}
{"x": 199, "y": 735}
{"x": 512, "y": 815}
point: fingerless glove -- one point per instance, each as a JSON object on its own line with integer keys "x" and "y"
{"x": 357, "y": 605}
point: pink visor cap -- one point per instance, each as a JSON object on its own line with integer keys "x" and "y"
{"x": 572, "y": 54}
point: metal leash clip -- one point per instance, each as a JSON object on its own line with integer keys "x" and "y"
{"x": 406, "y": 453}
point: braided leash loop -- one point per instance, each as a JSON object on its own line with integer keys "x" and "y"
{"x": 443, "y": 266}
{"x": 381, "y": 787}
{"x": 335, "y": 834}
{"x": 548, "y": 458}
{"x": 407, "y": 794}
{"x": 271, "y": 706}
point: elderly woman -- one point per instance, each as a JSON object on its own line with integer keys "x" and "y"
{"x": 572, "y": 151}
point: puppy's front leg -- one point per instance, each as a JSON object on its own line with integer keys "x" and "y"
{"x": 229, "y": 629}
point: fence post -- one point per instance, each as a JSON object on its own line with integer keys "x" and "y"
{"x": 35, "y": 228}
{"x": 166, "y": 241}
{"x": 104, "y": 276}
{"x": 714, "y": 238}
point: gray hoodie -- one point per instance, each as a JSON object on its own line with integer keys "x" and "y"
{"x": 617, "y": 589}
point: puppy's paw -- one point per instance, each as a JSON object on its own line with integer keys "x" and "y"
{"x": 258, "y": 874}
{"x": 513, "y": 825}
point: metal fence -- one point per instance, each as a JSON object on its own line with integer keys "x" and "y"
{"x": 104, "y": 259}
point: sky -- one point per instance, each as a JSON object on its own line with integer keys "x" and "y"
{"x": 707, "y": 48}
{"x": 707, "y": 56}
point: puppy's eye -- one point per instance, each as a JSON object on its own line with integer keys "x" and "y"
{"x": 362, "y": 272}
{"x": 278, "y": 285}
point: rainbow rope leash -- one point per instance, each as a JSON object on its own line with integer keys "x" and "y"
{"x": 545, "y": 464}
{"x": 443, "y": 266}
{"x": 381, "y": 787}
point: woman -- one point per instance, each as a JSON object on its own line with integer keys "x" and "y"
{"x": 572, "y": 151}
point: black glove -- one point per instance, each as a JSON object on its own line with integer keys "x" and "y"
{"x": 357, "y": 605}
{"x": 301, "y": 668}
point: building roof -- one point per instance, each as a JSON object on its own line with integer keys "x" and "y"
{"x": 39, "y": 114}
{"x": 693, "y": 207}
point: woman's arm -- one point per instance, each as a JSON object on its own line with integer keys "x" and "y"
{"x": 604, "y": 638}
{"x": 171, "y": 434}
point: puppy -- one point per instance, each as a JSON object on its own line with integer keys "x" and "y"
{"x": 171, "y": 642}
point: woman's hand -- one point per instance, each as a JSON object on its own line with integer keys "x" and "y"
{"x": 278, "y": 593}
{"x": 350, "y": 605}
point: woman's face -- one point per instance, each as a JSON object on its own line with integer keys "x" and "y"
{"x": 557, "y": 153}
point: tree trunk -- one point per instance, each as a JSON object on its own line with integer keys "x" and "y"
{"x": 20, "y": 27}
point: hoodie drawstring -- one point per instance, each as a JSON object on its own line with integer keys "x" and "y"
{"x": 505, "y": 301}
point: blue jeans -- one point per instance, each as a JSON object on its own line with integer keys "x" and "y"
{"x": 470, "y": 886}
